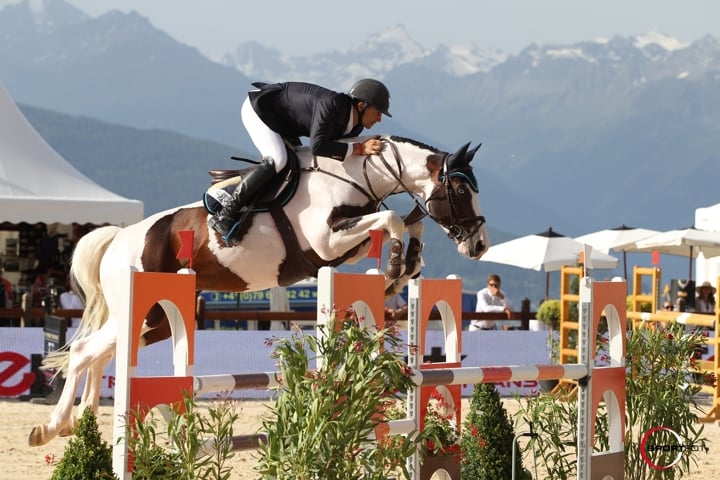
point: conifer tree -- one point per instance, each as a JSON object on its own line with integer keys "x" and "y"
{"x": 87, "y": 456}
{"x": 488, "y": 439}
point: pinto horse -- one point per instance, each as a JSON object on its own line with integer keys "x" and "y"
{"x": 326, "y": 222}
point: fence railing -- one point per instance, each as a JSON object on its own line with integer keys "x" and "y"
{"x": 28, "y": 316}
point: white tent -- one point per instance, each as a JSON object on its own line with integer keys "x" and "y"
{"x": 38, "y": 185}
{"x": 707, "y": 218}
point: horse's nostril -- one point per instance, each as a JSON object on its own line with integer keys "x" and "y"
{"x": 479, "y": 247}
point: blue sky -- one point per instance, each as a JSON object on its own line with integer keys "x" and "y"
{"x": 300, "y": 28}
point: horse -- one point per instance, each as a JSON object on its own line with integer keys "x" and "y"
{"x": 326, "y": 222}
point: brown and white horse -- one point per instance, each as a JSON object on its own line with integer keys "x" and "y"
{"x": 327, "y": 222}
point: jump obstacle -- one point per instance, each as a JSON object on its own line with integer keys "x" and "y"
{"x": 175, "y": 293}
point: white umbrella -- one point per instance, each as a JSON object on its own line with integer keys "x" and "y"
{"x": 688, "y": 241}
{"x": 618, "y": 239}
{"x": 547, "y": 251}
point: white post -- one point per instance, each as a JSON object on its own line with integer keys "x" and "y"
{"x": 586, "y": 349}
{"x": 325, "y": 304}
{"x": 123, "y": 373}
{"x": 414, "y": 361}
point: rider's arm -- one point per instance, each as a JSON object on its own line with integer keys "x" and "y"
{"x": 329, "y": 121}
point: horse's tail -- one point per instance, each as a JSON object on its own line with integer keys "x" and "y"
{"x": 85, "y": 279}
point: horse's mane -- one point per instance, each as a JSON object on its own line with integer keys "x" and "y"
{"x": 417, "y": 143}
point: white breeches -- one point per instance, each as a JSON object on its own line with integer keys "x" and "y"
{"x": 268, "y": 142}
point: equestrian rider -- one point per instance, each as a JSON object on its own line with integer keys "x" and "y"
{"x": 282, "y": 112}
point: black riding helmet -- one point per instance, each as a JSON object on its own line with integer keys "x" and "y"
{"x": 373, "y": 93}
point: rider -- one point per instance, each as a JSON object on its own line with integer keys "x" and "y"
{"x": 282, "y": 112}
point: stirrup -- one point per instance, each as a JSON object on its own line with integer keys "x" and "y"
{"x": 228, "y": 238}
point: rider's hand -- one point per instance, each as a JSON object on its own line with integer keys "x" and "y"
{"x": 371, "y": 146}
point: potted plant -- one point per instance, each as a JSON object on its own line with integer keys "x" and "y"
{"x": 549, "y": 315}
{"x": 441, "y": 417}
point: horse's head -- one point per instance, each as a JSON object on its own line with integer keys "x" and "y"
{"x": 454, "y": 203}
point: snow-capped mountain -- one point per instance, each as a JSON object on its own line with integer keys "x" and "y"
{"x": 380, "y": 54}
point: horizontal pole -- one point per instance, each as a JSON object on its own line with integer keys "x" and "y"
{"x": 423, "y": 378}
{"x": 509, "y": 373}
{"x": 249, "y": 442}
{"x": 230, "y": 382}
{"x": 686, "y": 318}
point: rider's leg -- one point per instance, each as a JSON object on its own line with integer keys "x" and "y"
{"x": 252, "y": 183}
{"x": 272, "y": 147}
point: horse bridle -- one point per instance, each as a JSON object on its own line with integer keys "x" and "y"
{"x": 455, "y": 224}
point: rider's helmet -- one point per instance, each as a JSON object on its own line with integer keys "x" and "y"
{"x": 373, "y": 93}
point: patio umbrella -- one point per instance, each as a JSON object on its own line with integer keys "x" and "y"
{"x": 688, "y": 241}
{"x": 617, "y": 239}
{"x": 547, "y": 251}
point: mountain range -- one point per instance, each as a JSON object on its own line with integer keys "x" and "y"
{"x": 579, "y": 137}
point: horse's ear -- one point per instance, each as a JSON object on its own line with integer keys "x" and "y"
{"x": 471, "y": 153}
{"x": 462, "y": 151}
{"x": 458, "y": 156}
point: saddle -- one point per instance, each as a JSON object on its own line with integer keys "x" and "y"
{"x": 278, "y": 192}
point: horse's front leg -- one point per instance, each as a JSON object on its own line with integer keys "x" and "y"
{"x": 413, "y": 260}
{"x": 347, "y": 233}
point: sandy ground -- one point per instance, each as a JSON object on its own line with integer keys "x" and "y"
{"x": 19, "y": 461}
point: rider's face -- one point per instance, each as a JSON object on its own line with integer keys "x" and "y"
{"x": 371, "y": 116}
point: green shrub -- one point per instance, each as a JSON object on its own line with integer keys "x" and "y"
{"x": 320, "y": 421}
{"x": 549, "y": 313}
{"x": 87, "y": 456}
{"x": 657, "y": 394}
{"x": 488, "y": 438}
{"x": 177, "y": 449}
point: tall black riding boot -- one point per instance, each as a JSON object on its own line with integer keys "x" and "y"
{"x": 224, "y": 221}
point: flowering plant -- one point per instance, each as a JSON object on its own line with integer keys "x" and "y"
{"x": 323, "y": 417}
{"x": 441, "y": 423}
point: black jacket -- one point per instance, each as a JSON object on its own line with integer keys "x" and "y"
{"x": 295, "y": 109}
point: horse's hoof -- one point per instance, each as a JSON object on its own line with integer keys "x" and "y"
{"x": 395, "y": 262}
{"x": 68, "y": 430}
{"x": 37, "y": 436}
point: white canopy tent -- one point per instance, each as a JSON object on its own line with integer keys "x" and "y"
{"x": 38, "y": 185}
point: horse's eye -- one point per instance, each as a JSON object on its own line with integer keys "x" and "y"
{"x": 461, "y": 191}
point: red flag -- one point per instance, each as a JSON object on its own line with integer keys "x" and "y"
{"x": 376, "y": 241}
{"x": 187, "y": 239}
{"x": 656, "y": 258}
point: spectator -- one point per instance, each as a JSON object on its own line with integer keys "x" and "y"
{"x": 705, "y": 301}
{"x": 9, "y": 295}
{"x": 40, "y": 287}
{"x": 395, "y": 308}
{"x": 69, "y": 300}
{"x": 6, "y": 300}
{"x": 491, "y": 299}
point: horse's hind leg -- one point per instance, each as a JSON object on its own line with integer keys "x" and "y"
{"x": 83, "y": 354}
{"x": 91, "y": 393}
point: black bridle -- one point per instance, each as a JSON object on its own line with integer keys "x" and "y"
{"x": 455, "y": 224}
